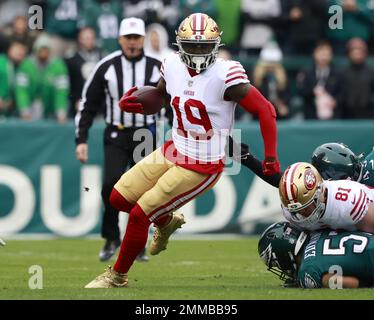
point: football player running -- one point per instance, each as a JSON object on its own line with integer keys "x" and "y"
{"x": 203, "y": 91}
{"x": 310, "y": 260}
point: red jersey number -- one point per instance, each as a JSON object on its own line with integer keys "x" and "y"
{"x": 203, "y": 119}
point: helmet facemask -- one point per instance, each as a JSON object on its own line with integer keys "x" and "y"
{"x": 198, "y": 55}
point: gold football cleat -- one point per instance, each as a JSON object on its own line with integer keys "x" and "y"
{"x": 162, "y": 235}
{"x": 109, "y": 279}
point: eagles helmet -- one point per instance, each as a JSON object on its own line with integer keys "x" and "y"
{"x": 198, "y": 39}
{"x": 278, "y": 247}
{"x": 335, "y": 161}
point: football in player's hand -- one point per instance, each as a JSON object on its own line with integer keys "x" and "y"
{"x": 151, "y": 99}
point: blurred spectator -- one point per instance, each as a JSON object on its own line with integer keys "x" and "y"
{"x": 80, "y": 65}
{"x": 358, "y": 83}
{"x": 42, "y": 84}
{"x": 228, "y": 18}
{"x": 3, "y": 43}
{"x": 104, "y": 16}
{"x": 10, "y": 9}
{"x": 19, "y": 31}
{"x": 320, "y": 85}
{"x": 358, "y": 21}
{"x": 257, "y": 17}
{"x": 8, "y": 65}
{"x": 270, "y": 77}
{"x": 303, "y": 25}
{"x": 61, "y": 23}
{"x": 190, "y": 6}
{"x": 156, "y": 44}
{"x": 166, "y": 12}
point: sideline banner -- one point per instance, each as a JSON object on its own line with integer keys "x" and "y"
{"x": 45, "y": 190}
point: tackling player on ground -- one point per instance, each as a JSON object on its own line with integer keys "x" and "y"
{"x": 311, "y": 260}
{"x": 312, "y": 203}
{"x": 203, "y": 92}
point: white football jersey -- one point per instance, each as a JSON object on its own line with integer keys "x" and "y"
{"x": 347, "y": 204}
{"x": 202, "y": 118}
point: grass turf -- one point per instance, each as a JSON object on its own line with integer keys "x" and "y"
{"x": 190, "y": 269}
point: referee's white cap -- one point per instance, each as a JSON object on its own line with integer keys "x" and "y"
{"x": 132, "y": 26}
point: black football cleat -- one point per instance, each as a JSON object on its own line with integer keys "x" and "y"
{"x": 109, "y": 249}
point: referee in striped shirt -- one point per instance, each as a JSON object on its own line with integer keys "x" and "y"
{"x": 112, "y": 76}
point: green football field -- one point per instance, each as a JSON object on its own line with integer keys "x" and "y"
{"x": 189, "y": 269}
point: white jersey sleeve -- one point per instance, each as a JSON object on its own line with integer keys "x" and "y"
{"x": 233, "y": 73}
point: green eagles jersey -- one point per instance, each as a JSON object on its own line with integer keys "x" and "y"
{"x": 49, "y": 84}
{"x": 6, "y": 71}
{"x": 368, "y": 170}
{"x": 105, "y": 18}
{"x": 62, "y": 17}
{"x": 328, "y": 251}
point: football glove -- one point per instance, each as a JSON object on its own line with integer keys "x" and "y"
{"x": 270, "y": 166}
{"x": 127, "y": 102}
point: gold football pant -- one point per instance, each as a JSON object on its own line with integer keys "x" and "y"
{"x": 160, "y": 187}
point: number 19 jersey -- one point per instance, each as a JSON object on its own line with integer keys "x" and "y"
{"x": 202, "y": 118}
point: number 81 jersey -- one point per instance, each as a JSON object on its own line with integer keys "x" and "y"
{"x": 347, "y": 204}
{"x": 202, "y": 118}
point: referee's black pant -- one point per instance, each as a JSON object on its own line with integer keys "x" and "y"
{"x": 119, "y": 146}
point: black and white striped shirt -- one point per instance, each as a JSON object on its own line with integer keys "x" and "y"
{"x": 111, "y": 78}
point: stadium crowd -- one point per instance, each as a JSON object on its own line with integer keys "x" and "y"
{"x": 305, "y": 66}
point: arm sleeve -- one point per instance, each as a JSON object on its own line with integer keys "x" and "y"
{"x": 241, "y": 153}
{"x": 92, "y": 96}
{"x": 255, "y": 165}
{"x": 255, "y": 103}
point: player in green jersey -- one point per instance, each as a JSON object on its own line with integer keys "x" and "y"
{"x": 322, "y": 259}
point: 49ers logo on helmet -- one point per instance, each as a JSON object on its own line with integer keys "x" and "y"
{"x": 310, "y": 179}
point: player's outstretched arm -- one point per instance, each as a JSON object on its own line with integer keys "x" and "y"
{"x": 254, "y": 102}
{"x": 241, "y": 153}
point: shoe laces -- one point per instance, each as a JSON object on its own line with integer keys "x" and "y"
{"x": 157, "y": 233}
